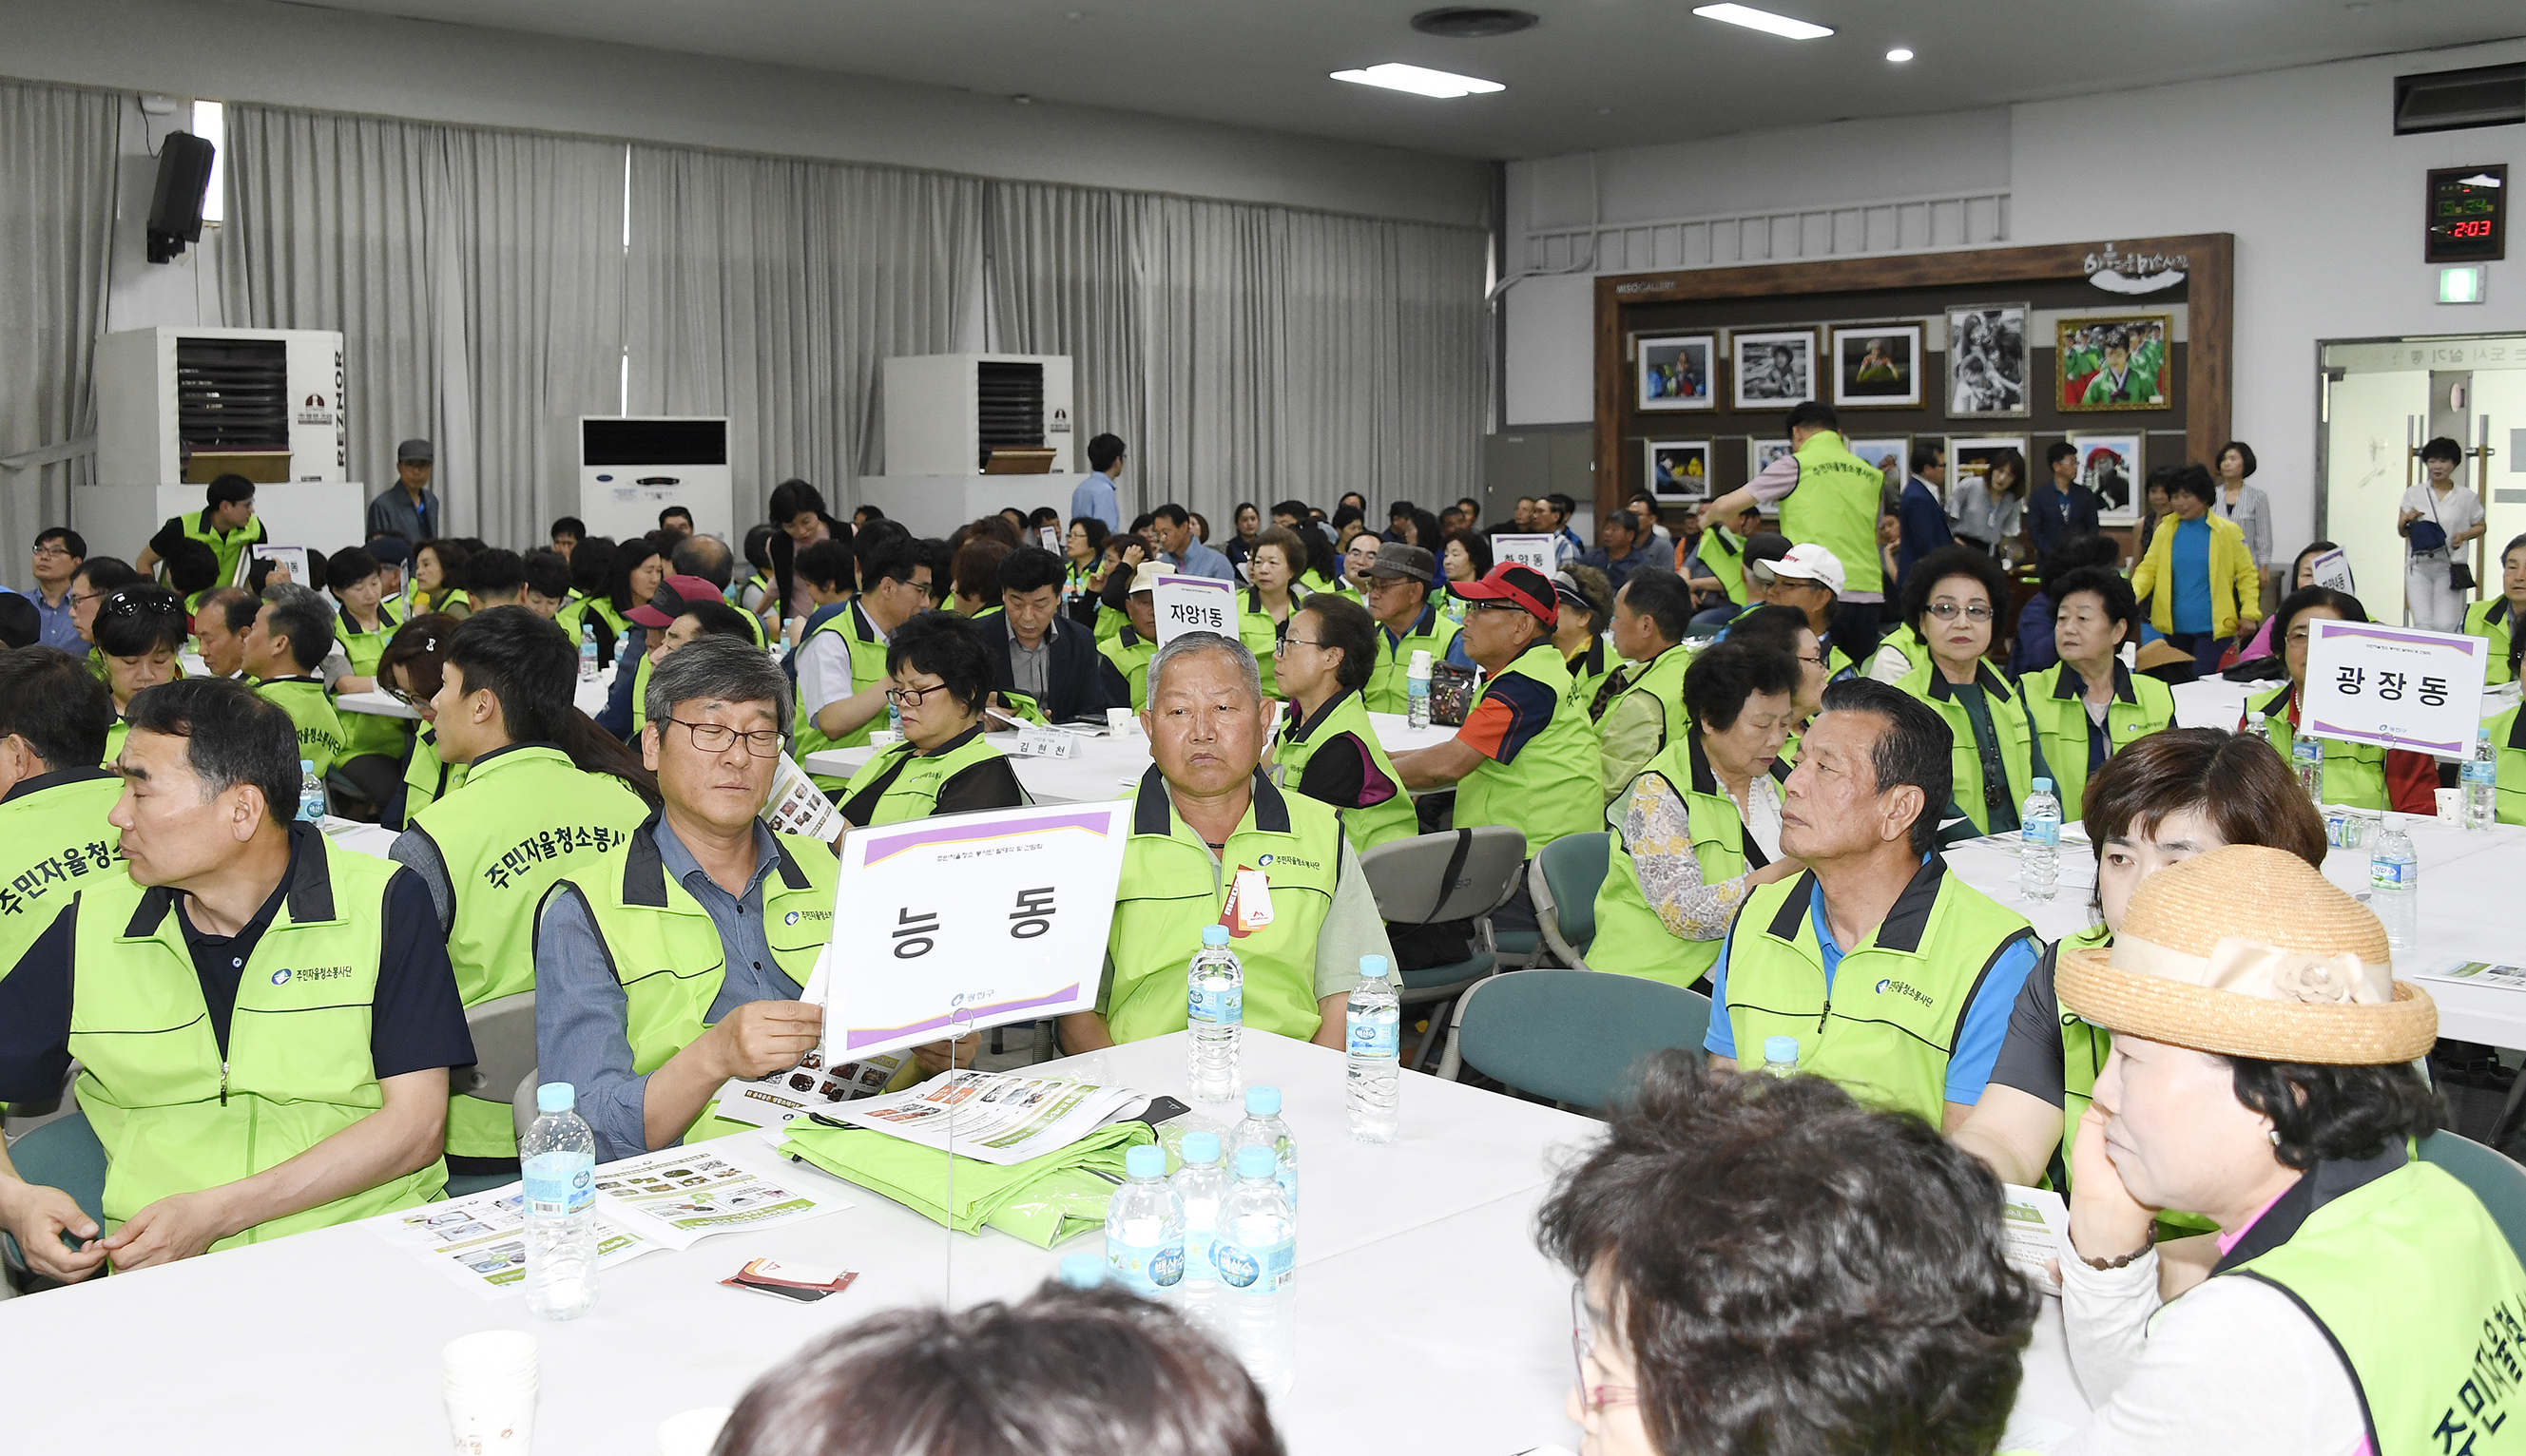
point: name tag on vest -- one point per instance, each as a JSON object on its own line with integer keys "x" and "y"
{"x": 1250, "y": 902}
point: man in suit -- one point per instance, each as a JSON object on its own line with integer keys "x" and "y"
{"x": 2060, "y": 508}
{"x": 1921, "y": 518}
{"x": 1038, "y": 659}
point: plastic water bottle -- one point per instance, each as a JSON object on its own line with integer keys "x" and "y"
{"x": 311, "y": 792}
{"x": 1781, "y": 1057}
{"x": 2481, "y": 784}
{"x": 1081, "y": 1271}
{"x": 1256, "y": 1254}
{"x": 587, "y": 652}
{"x": 2039, "y": 844}
{"x": 2395, "y": 884}
{"x": 1144, "y": 1226}
{"x": 2306, "y": 758}
{"x": 894, "y": 717}
{"x": 1415, "y": 689}
{"x": 1373, "y": 1021}
{"x": 1200, "y": 1185}
{"x": 559, "y": 1157}
{"x": 1262, "y": 1128}
{"x": 1215, "y": 1011}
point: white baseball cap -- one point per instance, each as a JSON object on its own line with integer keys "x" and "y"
{"x": 1813, "y": 563}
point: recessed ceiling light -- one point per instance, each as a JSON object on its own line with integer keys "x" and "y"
{"x": 1899, "y": 54}
{"x": 1393, "y": 76}
{"x": 1764, "y": 21}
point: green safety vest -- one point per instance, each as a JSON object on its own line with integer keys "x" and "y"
{"x": 2424, "y": 1303}
{"x": 667, "y": 953}
{"x": 1129, "y": 653}
{"x": 2490, "y": 619}
{"x": 120, "y": 729}
{"x": 2509, "y": 740}
{"x": 311, "y": 708}
{"x": 1660, "y": 680}
{"x": 53, "y": 838}
{"x": 900, "y": 781}
{"x": 1297, "y": 744}
{"x": 1160, "y": 909}
{"x": 229, "y": 546}
{"x": 1631, "y": 938}
{"x": 425, "y": 778}
{"x": 1887, "y": 1024}
{"x": 868, "y": 666}
{"x": 1260, "y": 633}
{"x": 1431, "y": 633}
{"x": 172, "y": 1117}
{"x": 369, "y": 733}
{"x": 2019, "y": 757}
{"x": 1588, "y": 672}
{"x": 1110, "y": 622}
{"x": 1905, "y": 640}
{"x": 1726, "y": 561}
{"x": 1551, "y": 788}
{"x": 503, "y": 848}
{"x": 2354, "y": 773}
{"x": 1836, "y": 505}
{"x": 2055, "y": 701}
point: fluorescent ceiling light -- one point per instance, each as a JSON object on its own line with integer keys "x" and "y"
{"x": 1899, "y": 54}
{"x": 1764, "y": 21}
{"x": 1393, "y": 76}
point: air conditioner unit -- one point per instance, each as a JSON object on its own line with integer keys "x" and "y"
{"x": 632, "y": 466}
{"x": 178, "y": 406}
{"x": 945, "y": 412}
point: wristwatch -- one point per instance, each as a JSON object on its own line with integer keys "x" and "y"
{"x": 2121, "y": 1260}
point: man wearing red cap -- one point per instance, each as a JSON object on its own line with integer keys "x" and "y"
{"x": 1525, "y": 757}
{"x": 624, "y": 714}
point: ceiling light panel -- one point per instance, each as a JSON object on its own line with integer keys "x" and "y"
{"x": 1393, "y": 76}
{"x": 1763, "y": 21}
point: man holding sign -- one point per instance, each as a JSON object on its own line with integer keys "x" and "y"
{"x": 1213, "y": 842}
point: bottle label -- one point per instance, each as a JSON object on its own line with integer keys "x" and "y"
{"x": 1374, "y": 1038}
{"x": 1145, "y": 1269}
{"x": 1216, "y": 1006}
{"x": 1197, "y": 1253}
{"x": 563, "y": 1187}
{"x": 2388, "y": 875}
{"x": 1263, "y": 1270}
{"x": 2043, "y": 832}
{"x": 2481, "y": 771}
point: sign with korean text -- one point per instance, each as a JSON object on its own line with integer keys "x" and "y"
{"x": 2394, "y": 687}
{"x": 2332, "y": 570}
{"x": 945, "y": 925}
{"x": 1537, "y": 552}
{"x": 1193, "y": 604}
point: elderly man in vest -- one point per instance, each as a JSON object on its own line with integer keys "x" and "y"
{"x": 1877, "y": 968}
{"x": 1213, "y": 844}
{"x": 264, "y": 1023}
{"x": 1832, "y": 498}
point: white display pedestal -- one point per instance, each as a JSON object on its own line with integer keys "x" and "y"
{"x": 120, "y": 520}
{"x": 934, "y": 504}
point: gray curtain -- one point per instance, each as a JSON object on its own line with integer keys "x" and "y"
{"x": 56, "y": 242}
{"x": 1066, "y": 279}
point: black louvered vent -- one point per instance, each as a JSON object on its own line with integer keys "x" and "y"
{"x": 1009, "y": 398}
{"x": 231, "y": 395}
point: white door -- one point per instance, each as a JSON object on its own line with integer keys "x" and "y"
{"x": 2500, "y": 397}
{"x": 2365, "y": 463}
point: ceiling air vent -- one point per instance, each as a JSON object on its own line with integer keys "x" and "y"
{"x": 1472, "y": 21}
{"x": 2453, "y": 100}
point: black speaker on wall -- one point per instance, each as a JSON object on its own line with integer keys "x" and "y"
{"x": 176, "y": 207}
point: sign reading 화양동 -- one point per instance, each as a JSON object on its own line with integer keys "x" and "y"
{"x": 2394, "y": 687}
{"x": 1536, "y": 551}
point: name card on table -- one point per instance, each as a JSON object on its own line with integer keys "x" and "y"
{"x": 1193, "y": 604}
{"x": 1035, "y": 740}
{"x": 2394, "y": 687}
{"x": 1537, "y": 552}
{"x": 946, "y": 924}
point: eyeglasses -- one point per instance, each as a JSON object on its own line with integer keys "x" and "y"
{"x": 1946, "y": 612}
{"x": 1286, "y": 643}
{"x": 51, "y": 548}
{"x": 715, "y": 737}
{"x": 911, "y": 697}
{"x": 133, "y": 604}
{"x": 1583, "y": 1349}
{"x": 1814, "y": 657}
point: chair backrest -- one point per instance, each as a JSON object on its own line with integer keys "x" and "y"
{"x": 1574, "y": 1036}
{"x": 2498, "y": 1182}
{"x": 1574, "y": 865}
{"x": 1404, "y": 874}
{"x": 504, "y": 1044}
{"x": 521, "y": 1103}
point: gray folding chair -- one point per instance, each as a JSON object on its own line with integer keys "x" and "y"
{"x": 1433, "y": 878}
{"x": 1564, "y": 879}
{"x": 1570, "y": 1035}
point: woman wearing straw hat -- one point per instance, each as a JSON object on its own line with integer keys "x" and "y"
{"x": 2260, "y": 1074}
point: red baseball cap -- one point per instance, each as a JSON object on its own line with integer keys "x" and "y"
{"x": 1519, "y": 585}
{"x": 671, "y": 594}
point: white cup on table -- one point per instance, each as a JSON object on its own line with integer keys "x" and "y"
{"x": 490, "y": 1382}
{"x": 1121, "y": 723}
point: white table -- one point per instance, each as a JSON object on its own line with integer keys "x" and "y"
{"x": 590, "y": 697}
{"x": 1108, "y": 765}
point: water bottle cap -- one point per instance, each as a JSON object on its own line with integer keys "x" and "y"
{"x": 1780, "y": 1048}
{"x": 555, "y": 1096}
{"x": 1083, "y": 1271}
{"x": 1263, "y": 1102}
{"x": 1372, "y": 968}
{"x": 1148, "y": 1160}
{"x": 2044, "y": 783}
{"x": 1201, "y": 1148}
{"x": 1254, "y": 1160}
{"x": 307, "y": 766}
{"x": 1214, "y": 935}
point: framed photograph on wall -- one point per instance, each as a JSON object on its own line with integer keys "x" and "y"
{"x": 1877, "y": 366}
{"x": 1775, "y": 369}
{"x": 2113, "y": 363}
{"x": 2114, "y": 464}
{"x": 1987, "y": 362}
{"x": 1676, "y": 470}
{"x": 1890, "y": 453}
{"x": 1760, "y": 452}
{"x": 1674, "y": 371}
{"x": 1970, "y": 457}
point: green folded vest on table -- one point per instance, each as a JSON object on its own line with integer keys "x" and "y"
{"x": 1041, "y": 1200}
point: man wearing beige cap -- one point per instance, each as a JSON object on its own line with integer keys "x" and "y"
{"x": 1810, "y": 577}
{"x": 2262, "y": 1074}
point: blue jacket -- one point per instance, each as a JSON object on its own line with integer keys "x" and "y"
{"x": 1924, "y": 524}
{"x": 2053, "y": 519}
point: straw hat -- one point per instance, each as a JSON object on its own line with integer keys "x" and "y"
{"x": 2248, "y": 951}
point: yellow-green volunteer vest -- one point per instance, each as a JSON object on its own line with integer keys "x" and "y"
{"x": 2056, "y": 701}
{"x": 1259, "y": 632}
{"x": 1723, "y": 556}
{"x": 1836, "y": 506}
{"x": 1129, "y": 653}
{"x": 2354, "y": 773}
{"x": 1431, "y": 633}
{"x": 311, "y": 709}
{"x": 1171, "y": 889}
{"x": 1885, "y": 1026}
{"x": 2489, "y": 620}
{"x": 668, "y": 956}
{"x": 1552, "y": 787}
{"x": 867, "y": 646}
{"x": 369, "y": 733}
{"x": 2422, "y": 1299}
{"x": 427, "y": 780}
{"x": 529, "y": 817}
{"x": 1297, "y": 744}
{"x": 2008, "y": 725}
{"x": 901, "y": 783}
{"x": 229, "y": 546}
{"x": 1661, "y": 681}
{"x": 1588, "y": 672}
{"x": 2508, "y": 751}
{"x": 1110, "y": 621}
{"x": 173, "y": 1118}
{"x": 1631, "y": 938}
{"x": 113, "y": 738}
{"x": 53, "y": 839}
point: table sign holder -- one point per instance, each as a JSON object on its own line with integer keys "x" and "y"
{"x": 1195, "y": 604}
{"x": 2394, "y": 687}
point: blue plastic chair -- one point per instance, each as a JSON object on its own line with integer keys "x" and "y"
{"x": 1571, "y": 1035}
{"x": 2494, "y": 1179}
{"x": 1564, "y": 879}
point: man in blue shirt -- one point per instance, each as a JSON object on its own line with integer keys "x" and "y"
{"x": 1192, "y": 558}
{"x": 1920, "y": 517}
{"x": 1623, "y": 553}
{"x": 1095, "y": 497}
{"x": 1557, "y": 509}
{"x": 58, "y": 554}
{"x": 2060, "y": 509}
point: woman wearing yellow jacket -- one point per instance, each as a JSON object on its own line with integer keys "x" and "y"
{"x": 2199, "y": 575}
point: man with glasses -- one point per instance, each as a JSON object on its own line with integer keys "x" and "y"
{"x": 676, "y": 959}
{"x": 97, "y": 577}
{"x": 841, "y": 661}
{"x": 1397, "y": 594}
{"x": 58, "y": 554}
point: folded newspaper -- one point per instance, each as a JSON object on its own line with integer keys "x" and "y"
{"x": 1002, "y": 1118}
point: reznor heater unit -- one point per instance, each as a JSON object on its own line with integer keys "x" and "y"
{"x": 947, "y": 413}
{"x": 179, "y": 406}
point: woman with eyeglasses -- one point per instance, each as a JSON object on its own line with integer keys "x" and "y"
{"x": 940, "y": 672}
{"x": 1953, "y": 601}
{"x": 1264, "y": 614}
{"x": 1084, "y": 569}
{"x": 411, "y": 672}
{"x": 1326, "y": 746}
{"x": 139, "y": 633}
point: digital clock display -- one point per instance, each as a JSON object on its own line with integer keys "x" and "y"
{"x": 2468, "y": 215}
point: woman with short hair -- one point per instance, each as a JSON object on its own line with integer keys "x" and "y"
{"x": 2246, "y": 505}
{"x": 140, "y": 634}
{"x": 940, "y": 676}
{"x": 1465, "y": 556}
{"x": 1327, "y": 746}
{"x": 1265, "y": 606}
{"x": 1953, "y": 602}
{"x": 2439, "y": 519}
{"x": 2088, "y": 705}
{"x": 2201, "y": 581}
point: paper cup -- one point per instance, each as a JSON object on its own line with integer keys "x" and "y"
{"x": 691, "y": 1432}
{"x": 488, "y": 1421}
{"x": 2451, "y": 807}
{"x": 1121, "y": 723}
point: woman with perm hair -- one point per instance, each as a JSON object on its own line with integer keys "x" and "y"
{"x": 2364, "y": 1300}
{"x": 1953, "y": 601}
{"x": 1327, "y": 746}
{"x": 2088, "y": 707}
{"x": 940, "y": 677}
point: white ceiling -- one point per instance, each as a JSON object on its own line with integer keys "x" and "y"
{"x": 1595, "y": 74}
